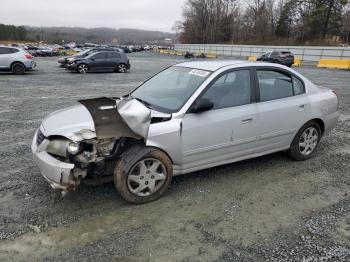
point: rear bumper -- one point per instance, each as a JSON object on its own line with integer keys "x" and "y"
{"x": 30, "y": 65}
{"x": 330, "y": 121}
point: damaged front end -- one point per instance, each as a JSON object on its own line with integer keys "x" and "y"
{"x": 87, "y": 146}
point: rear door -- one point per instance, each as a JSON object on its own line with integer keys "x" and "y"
{"x": 228, "y": 130}
{"x": 282, "y": 109}
{"x": 6, "y": 55}
{"x": 113, "y": 59}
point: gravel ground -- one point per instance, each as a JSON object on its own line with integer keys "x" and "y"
{"x": 266, "y": 209}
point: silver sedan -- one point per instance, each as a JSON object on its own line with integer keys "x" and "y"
{"x": 189, "y": 117}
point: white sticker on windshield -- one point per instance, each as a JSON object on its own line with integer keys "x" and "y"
{"x": 198, "y": 72}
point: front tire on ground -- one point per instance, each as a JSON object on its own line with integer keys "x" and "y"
{"x": 82, "y": 68}
{"x": 18, "y": 69}
{"x": 306, "y": 141}
{"x": 142, "y": 174}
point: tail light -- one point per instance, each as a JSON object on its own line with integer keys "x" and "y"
{"x": 28, "y": 56}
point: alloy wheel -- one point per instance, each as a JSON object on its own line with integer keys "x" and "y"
{"x": 122, "y": 68}
{"x": 82, "y": 69}
{"x": 146, "y": 177}
{"x": 308, "y": 141}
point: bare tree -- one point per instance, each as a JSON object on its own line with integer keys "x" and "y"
{"x": 263, "y": 21}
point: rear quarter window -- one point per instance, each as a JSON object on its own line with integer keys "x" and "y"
{"x": 298, "y": 86}
{"x": 8, "y": 50}
{"x": 113, "y": 55}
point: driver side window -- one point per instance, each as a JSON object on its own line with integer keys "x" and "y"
{"x": 229, "y": 90}
{"x": 100, "y": 55}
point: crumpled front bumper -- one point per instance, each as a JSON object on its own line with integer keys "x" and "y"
{"x": 72, "y": 67}
{"x": 57, "y": 173}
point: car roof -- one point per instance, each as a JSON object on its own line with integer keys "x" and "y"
{"x": 210, "y": 65}
{"x": 218, "y": 64}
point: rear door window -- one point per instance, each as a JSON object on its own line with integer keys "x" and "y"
{"x": 8, "y": 50}
{"x": 113, "y": 55}
{"x": 274, "y": 84}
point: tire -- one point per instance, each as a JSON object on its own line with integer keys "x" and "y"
{"x": 304, "y": 146}
{"x": 18, "y": 69}
{"x": 133, "y": 184}
{"x": 82, "y": 68}
{"x": 121, "y": 68}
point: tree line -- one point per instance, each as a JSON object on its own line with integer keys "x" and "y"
{"x": 265, "y": 22}
{"x": 11, "y": 32}
{"x": 61, "y": 35}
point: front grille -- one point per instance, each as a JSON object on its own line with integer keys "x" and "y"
{"x": 39, "y": 137}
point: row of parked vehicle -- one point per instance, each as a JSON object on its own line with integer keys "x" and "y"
{"x": 19, "y": 60}
{"x": 278, "y": 57}
{"x": 97, "y": 60}
{"x": 57, "y": 50}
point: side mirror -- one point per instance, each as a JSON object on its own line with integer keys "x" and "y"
{"x": 201, "y": 105}
{"x": 92, "y": 59}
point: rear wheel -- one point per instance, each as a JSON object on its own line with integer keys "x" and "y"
{"x": 306, "y": 141}
{"x": 142, "y": 174}
{"x": 82, "y": 68}
{"x": 121, "y": 68}
{"x": 18, "y": 69}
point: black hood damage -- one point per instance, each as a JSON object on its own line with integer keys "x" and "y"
{"x": 107, "y": 119}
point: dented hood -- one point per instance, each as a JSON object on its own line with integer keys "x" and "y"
{"x": 135, "y": 115}
{"x": 68, "y": 121}
{"x": 102, "y": 118}
{"x": 114, "y": 118}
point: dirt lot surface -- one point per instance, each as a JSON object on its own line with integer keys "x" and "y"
{"x": 266, "y": 209}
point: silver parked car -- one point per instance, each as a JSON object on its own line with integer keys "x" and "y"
{"x": 16, "y": 60}
{"x": 189, "y": 117}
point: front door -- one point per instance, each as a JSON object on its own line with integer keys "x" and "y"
{"x": 226, "y": 132}
{"x": 98, "y": 61}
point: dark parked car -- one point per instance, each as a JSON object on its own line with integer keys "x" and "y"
{"x": 65, "y": 60}
{"x": 189, "y": 55}
{"x": 100, "y": 62}
{"x": 33, "y": 50}
{"x": 279, "y": 57}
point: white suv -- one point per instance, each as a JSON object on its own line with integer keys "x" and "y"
{"x": 16, "y": 60}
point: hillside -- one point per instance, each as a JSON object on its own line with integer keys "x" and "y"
{"x": 95, "y": 35}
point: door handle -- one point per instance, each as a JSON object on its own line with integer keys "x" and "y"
{"x": 301, "y": 108}
{"x": 247, "y": 120}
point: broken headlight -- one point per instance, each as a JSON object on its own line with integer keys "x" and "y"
{"x": 73, "y": 148}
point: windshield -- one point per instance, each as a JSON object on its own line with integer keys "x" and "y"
{"x": 169, "y": 90}
{"x": 83, "y": 53}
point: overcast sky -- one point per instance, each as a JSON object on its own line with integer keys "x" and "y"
{"x": 141, "y": 14}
